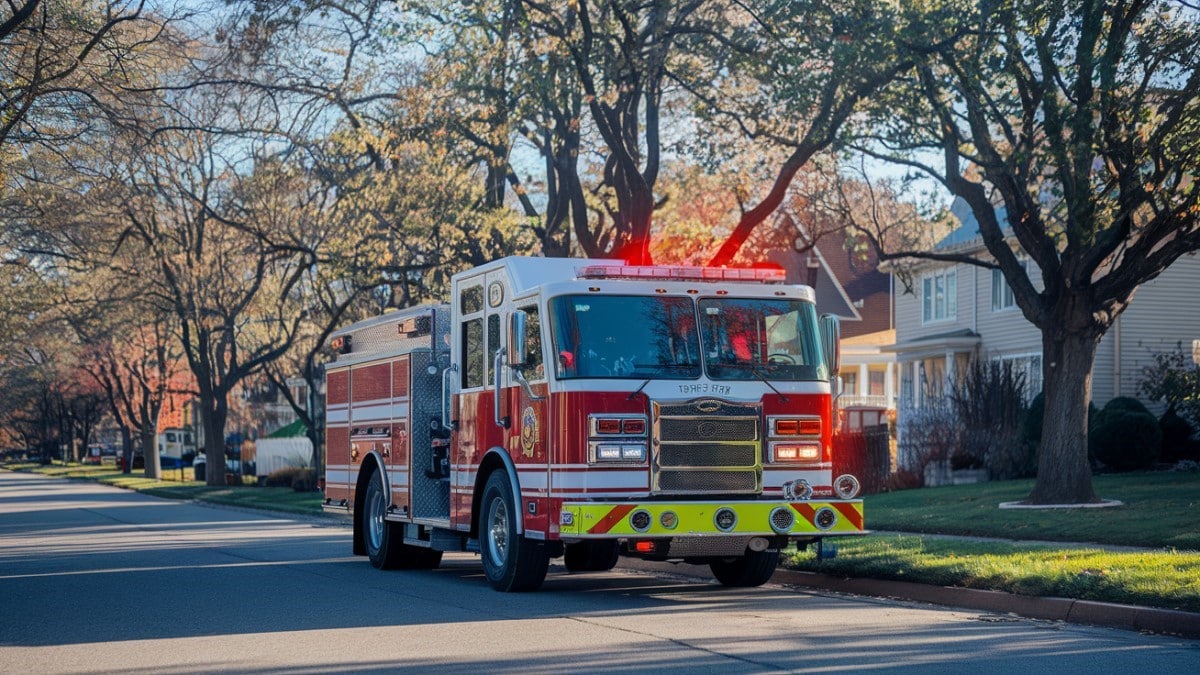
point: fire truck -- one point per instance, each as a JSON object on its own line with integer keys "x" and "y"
{"x": 590, "y": 409}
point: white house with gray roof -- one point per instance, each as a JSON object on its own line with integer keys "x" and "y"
{"x": 957, "y": 312}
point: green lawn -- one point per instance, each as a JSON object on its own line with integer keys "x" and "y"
{"x": 1161, "y": 511}
{"x": 1159, "y": 578}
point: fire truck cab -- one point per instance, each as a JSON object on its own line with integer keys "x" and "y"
{"x": 590, "y": 409}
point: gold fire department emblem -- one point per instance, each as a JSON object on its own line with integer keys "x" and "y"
{"x": 529, "y": 430}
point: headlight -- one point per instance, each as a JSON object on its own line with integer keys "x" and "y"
{"x": 619, "y": 452}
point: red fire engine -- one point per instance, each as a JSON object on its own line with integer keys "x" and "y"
{"x": 590, "y": 409}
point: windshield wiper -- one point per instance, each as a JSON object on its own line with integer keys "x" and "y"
{"x": 753, "y": 368}
{"x": 637, "y": 391}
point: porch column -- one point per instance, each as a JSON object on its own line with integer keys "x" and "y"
{"x": 951, "y": 376}
{"x": 864, "y": 375}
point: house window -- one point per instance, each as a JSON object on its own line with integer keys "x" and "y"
{"x": 850, "y": 383}
{"x": 876, "y": 383}
{"x": 1002, "y": 294}
{"x": 939, "y": 296}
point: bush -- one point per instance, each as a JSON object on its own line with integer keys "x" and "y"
{"x": 1127, "y": 403}
{"x": 299, "y": 478}
{"x": 931, "y": 435}
{"x": 1174, "y": 379}
{"x": 1031, "y": 421}
{"x": 903, "y": 480}
{"x": 1177, "y": 441}
{"x": 1125, "y": 440}
{"x": 306, "y": 481}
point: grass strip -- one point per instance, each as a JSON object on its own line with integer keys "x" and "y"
{"x": 1159, "y": 511}
{"x": 1167, "y": 579}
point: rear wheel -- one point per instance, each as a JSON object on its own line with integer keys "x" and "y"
{"x": 510, "y": 560}
{"x": 752, "y": 569}
{"x": 384, "y": 540}
{"x": 591, "y": 556}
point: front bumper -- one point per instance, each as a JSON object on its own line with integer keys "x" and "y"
{"x": 611, "y": 520}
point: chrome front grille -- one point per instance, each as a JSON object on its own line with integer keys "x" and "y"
{"x": 707, "y": 446}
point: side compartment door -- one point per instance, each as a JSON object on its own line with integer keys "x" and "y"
{"x": 396, "y": 450}
{"x": 370, "y": 415}
{"x": 337, "y": 436}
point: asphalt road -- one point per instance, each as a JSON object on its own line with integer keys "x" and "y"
{"x": 96, "y": 579}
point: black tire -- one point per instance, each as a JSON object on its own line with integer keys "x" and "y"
{"x": 591, "y": 556}
{"x": 753, "y": 569}
{"x": 385, "y": 541}
{"x": 511, "y": 561}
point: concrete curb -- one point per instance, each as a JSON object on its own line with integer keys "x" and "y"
{"x": 1085, "y": 612}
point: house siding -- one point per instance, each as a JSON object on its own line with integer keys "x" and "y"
{"x": 1005, "y": 332}
{"x": 908, "y": 305}
{"x": 1162, "y": 314}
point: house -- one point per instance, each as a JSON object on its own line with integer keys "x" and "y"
{"x": 956, "y": 313}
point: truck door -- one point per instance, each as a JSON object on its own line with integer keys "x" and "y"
{"x": 526, "y": 407}
{"x": 481, "y": 307}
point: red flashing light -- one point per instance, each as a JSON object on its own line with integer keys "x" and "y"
{"x": 608, "y": 426}
{"x": 635, "y": 426}
{"x": 673, "y": 273}
{"x": 643, "y": 546}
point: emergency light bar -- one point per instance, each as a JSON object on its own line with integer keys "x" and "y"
{"x": 671, "y": 273}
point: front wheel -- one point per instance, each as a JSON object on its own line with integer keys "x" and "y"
{"x": 510, "y": 560}
{"x": 753, "y": 569}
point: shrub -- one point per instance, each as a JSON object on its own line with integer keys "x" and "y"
{"x": 1174, "y": 379}
{"x": 931, "y": 435}
{"x": 287, "y": 476}
{"x": 305, "y": 481}
{"x": 1125, "y": 440}
{"x": 1126, "y": 403}
{"x": 990, "y": 394}
{"x": 1031, "y": 421}
{"x": 903, "y": 480}
{"x": 1177, "y": 437}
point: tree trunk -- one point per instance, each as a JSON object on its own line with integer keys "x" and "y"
{"x": 150, "y": 452}
{"x": 1064, "y": 474}
{"x": 212, "y": 416}
{"x": 126, "y": 450}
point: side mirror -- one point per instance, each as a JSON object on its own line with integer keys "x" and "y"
{"x": 518, "y": 328}
{"x": 831, "y": 342}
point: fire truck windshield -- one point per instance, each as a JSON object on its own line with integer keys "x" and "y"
{"x": 749, "y": 338}
{"x": 625, "y": 336}
{"x": 640, "y": 337}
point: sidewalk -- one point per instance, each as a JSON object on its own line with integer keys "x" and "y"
{"x": 1086, "y": 612}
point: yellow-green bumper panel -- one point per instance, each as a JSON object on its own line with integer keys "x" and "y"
{"x": 681, "y": 519}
